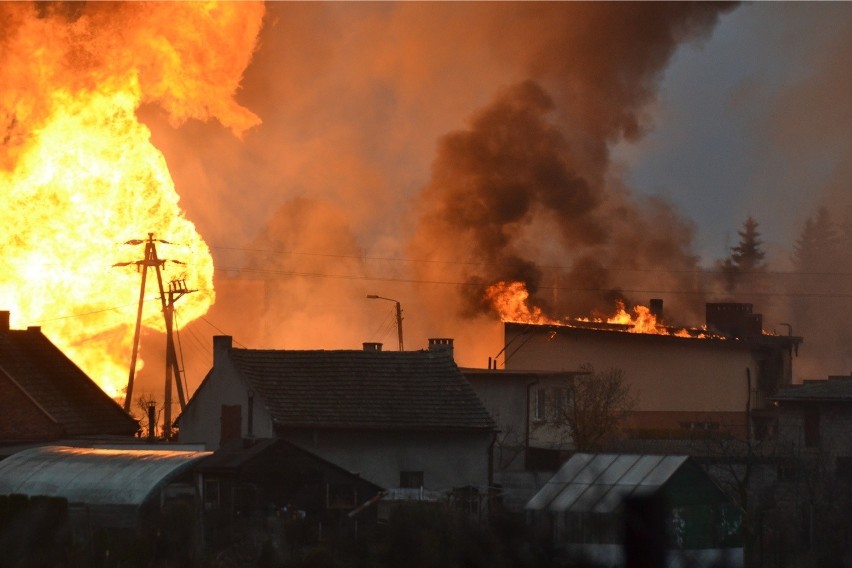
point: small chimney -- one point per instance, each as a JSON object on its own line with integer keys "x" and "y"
{"x": 437, "y": 344}
{"x": 4, "y": 321}
{"x": 222, "y": 344}
{"x": 371, "y": 346}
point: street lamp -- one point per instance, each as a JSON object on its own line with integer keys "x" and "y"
{"x": 398, "y": 315}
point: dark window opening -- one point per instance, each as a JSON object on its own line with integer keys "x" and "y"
{"x": 231, "y": 423}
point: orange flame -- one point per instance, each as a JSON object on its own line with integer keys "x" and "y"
{"x": 511, "y": 301}
{"x": 642, "y": 320}
{"x": 78, "y": 172}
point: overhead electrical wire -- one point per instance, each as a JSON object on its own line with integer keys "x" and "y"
{"x": 543, "y": 266}
{"x": 540, "y": 287}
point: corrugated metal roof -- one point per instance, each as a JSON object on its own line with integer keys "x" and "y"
{"x": 93, "y": 476}
{"x": 598, "y": 483}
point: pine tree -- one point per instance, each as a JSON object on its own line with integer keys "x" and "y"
{"x": 819, "y": 259}
{"x": 817, "y": 247}
{"x": 748, "y": 255}
{"x": 746, "y": 258}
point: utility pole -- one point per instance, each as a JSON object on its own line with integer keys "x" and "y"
{"x": 177, "y": 288}
{"x": 149, "y": 261}
{"x": 398, "y": 316}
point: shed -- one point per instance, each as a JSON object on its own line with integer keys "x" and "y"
{"x": 106, "y": 487}
{"x": 583, "y": 504}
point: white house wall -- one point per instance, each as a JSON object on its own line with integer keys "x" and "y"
{"x": 201, "y": 420}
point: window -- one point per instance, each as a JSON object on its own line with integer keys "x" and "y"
{"x": 411, "y": 479}
{"x": 231, "y": 423}
{"x": 539, "y": 405}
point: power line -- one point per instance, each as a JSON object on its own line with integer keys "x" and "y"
{"x": 83, "y": 314}
{"x": 208, "y": 322}
{"x": 709, "y": 271}
{"x": 697, "y": 292}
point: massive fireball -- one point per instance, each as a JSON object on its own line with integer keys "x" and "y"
{"x": 78, "y": 173}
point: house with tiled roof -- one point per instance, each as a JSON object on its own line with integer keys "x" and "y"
{"x": 399, "y": 419}
{"x": 44, "y": 396}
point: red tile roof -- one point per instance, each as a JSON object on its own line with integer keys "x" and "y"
{"x": 397, "y": 390}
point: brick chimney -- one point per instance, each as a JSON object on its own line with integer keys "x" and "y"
{"x": 4, "y": 321}
{"x": 445, "y": 344}
{"x": 734, "y": 319}
{"x": 370, "y": 346}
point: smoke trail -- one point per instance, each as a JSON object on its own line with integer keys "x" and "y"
{"x": 527, "y": 183}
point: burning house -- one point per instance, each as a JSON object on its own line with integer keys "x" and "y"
{"x": 685, "y": 381}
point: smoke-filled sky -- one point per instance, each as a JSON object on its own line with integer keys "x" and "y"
{"x": 422, "y": 151}
{"x": 425, "y": 151}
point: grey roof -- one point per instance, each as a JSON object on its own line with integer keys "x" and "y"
{"x": 835, "y": 389}
{"x": 92, "y": 476}
{"x": 398, "y": 390}
{"x": 60, "y": 389}
{"x": 597, "y": 483}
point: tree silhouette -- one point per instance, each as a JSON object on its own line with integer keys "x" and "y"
{"x": 599, "y": 403}
{"x": 817, "y": 246}
{"x": 746, "y": 258}
{"x": 821, "y": 260}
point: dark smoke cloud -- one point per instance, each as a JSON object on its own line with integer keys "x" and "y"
{"x": 523, "y": 100}
{"x": 531, "y": 160}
